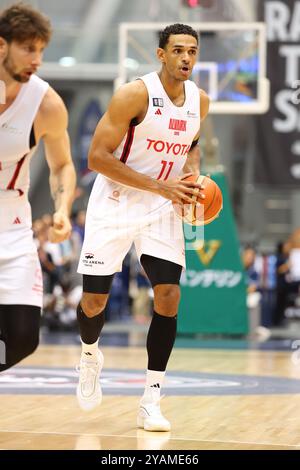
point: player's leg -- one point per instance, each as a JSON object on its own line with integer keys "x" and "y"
{"x": 19, "y": 333}
{"x": 161, "y": 251}
{"x": 102, "y": 255}
{"x": 90, "y": 317}
{"x": 164, "y": 276}
{"x": 21, "y": 295}
{"x": 108, "y": 237}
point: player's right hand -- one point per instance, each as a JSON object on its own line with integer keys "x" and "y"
{"x": 61, "y": 228}
{"x": 179, "y": 190}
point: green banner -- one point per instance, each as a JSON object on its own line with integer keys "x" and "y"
{"x": 213, "y": 286}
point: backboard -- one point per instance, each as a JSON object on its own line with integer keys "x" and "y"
{"x": 231, "y": 66}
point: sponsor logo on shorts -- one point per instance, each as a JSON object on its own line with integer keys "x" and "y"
{"x": 89, "y": 260}
{"x": 17, "y": 221}
{"x": 115, "y": 196}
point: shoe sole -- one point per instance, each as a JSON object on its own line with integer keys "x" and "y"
{"x": 88, "y": 405}
{"x": 141, "y": 424}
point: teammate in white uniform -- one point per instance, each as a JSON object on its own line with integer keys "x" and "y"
{"x": 29, "y": 110}
{"x": 145, "y": 140}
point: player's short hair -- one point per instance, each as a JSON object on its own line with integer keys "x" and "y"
{"x": 21, "y": 22}
{"x": 176, "y": 28}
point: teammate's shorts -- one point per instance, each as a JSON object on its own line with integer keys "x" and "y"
{"x": 118, "y": 216}
{"x": 21, "y": 280}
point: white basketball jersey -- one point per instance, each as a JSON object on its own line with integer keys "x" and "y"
{"x": 159, "y": 145}
{"x": 15, "y": 135}
{"x": 119, "y": 215}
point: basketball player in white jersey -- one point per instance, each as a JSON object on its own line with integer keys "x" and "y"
{"x": 29, "y": 111}
{"x": 144, "y": 142}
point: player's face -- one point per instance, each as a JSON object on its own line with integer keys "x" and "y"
{"x": 180, "y": 55}
{"x": 23, "y": 59}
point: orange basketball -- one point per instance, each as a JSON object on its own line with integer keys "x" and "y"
{"x": 209, "y": 208}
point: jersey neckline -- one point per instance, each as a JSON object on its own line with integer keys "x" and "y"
{"x": 167, "y": 96}
{"x": 6, "y": 114}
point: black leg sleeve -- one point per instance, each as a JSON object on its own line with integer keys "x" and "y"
{"x": 89, "y": 328}
{"x": 160, "y": 341}
{"x": 19, "y": 333}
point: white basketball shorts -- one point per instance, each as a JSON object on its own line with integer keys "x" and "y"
{"x": 20, "y": 271}
{"x": 118, "y": 216}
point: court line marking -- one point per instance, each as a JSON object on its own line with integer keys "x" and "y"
{"x": 149, "y": 437}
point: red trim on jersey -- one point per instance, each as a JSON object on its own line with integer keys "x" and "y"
{"x": 128, "y": 144}
{"x": 16, "y": 173}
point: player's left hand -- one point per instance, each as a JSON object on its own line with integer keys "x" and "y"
{"x": 61, "y": 228}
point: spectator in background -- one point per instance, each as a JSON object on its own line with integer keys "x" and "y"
{"x": 78, "y": 229}
{"x": 266, "y": 266}
{"x": 253, "y": 295}
{"x": 252, "y": 275}
{"x": 282, "y": 270}
{"x": 294, "y": 260}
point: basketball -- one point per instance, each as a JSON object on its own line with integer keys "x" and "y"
{"x": 209, "y": 208}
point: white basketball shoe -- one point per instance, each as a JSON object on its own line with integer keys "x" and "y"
{"x": 89, "y": 394}
{"x": 150, "y": 417}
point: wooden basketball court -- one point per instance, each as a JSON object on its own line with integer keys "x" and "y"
{"x": 263, "y": 416}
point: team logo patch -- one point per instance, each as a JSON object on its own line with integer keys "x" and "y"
{"x": 177, "y": 125}
{"x": 158, "y": 102}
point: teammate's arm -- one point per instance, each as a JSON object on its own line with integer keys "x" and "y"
{"x": 54, "y": 120}
{"x": 128, "y": 103}
{"x": 193, "y": 160}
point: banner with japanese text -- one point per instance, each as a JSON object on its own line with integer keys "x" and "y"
{"x": 213, "y": 286}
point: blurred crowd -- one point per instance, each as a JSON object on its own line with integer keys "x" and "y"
{"x": 273, "y": 282}
{"x": 131, "y": 294}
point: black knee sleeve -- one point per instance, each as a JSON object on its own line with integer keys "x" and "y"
{"x": 97, "y": 284}
{"x": 161, "y": 271}
{"x": 19, "y": 333}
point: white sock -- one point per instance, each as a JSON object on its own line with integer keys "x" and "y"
{"x": 90, "y": 351}
{"x": 154, "y": 381}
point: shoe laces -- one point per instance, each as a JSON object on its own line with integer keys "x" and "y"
{"x": 87, "y": 370}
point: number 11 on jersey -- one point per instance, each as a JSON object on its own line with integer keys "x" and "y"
{"x": 166, "y": 170}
